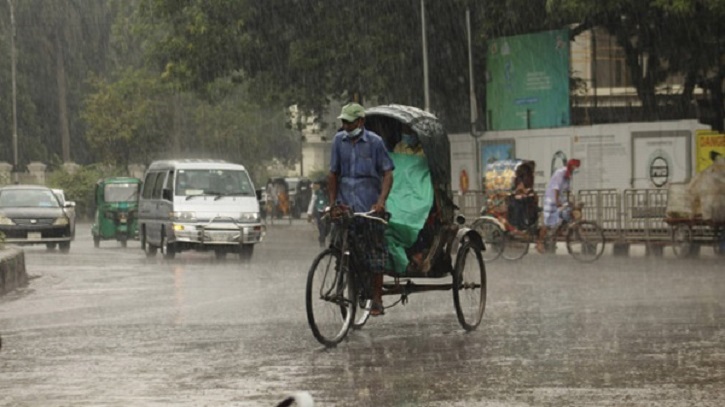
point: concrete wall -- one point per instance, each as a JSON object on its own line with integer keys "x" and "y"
{"x": 12, "y": 270}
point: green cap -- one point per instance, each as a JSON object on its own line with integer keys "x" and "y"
{"x": 351, "y": 112}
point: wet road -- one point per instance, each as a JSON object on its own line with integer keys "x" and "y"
{"x": 109, "y": 327}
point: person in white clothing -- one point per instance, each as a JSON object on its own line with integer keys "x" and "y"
{"x": 554, "y": 199}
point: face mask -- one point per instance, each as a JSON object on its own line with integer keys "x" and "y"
{"x": 410, "y": 139}
{"x": 354, "y": 133}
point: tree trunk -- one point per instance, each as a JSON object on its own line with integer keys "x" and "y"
{"x": 62, "y": 100}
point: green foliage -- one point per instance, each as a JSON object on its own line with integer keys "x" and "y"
{"x": 80, "y": 186}
{"x": 126, "y": 118}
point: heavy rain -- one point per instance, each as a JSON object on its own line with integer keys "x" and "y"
{"x": 184, "y": 194}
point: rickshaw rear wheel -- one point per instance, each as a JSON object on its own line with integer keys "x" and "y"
{"x": 124, "y": 242}
{"x": 493, "y": 237}
{"x": 96, "y": 241}
{"x": 330, "y": 298}
{"x": 469, "y": 286}
{"x": 585, "y": 241}
{"x": 516, "y": 247}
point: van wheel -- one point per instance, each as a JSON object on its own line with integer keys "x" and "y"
{"x": 64, "y": 247}
{"x": 220, "y": 254}
{"x": 167, "y": 248}
{"x": 148, "y": 248}
{"x": 245, "y": 252}
{"x": 50, "y": 246}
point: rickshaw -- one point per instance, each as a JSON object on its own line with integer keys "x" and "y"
{"x": 510, "y": 220}
{"x": 116, "y": 216}
{"x": 338, "y": 293}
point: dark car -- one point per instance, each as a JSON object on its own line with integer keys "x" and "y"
{"x": 32, "y": 214}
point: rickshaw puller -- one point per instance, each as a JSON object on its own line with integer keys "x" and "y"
{"x": 559, "y": 185}
{"x": 361, "y": 176}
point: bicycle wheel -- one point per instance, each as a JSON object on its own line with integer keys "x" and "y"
{"x": 469, "y": 286}
{"x": 515, "y": 246}
{"x": 585, "y": 241}
{"x": 329, "y": 298}
{"x": 493, "y": 238}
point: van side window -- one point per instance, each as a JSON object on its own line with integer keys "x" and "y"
{"x": 158, "y": 186}
{"x": 148, "y": 184}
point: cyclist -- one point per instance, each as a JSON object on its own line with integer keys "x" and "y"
{"x": 361, "y": 176}
{"x": 554, "y": 199}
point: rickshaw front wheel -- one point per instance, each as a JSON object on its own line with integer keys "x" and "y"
{"x": 585, "y": 241}
{"x": 330, "y": 298}
{"x": 469, "y": 286}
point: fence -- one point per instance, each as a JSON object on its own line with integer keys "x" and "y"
{"x": 632, "y": 215}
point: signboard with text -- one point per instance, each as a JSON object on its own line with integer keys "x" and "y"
{"x": 528, "y": 81}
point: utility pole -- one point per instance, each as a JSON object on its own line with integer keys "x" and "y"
{"x": 15, "y": 92}
{"x": 471, "y": 88}
{"x": 425, "y": 56}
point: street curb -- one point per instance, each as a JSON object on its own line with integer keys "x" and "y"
{"x": 12, "y": 270}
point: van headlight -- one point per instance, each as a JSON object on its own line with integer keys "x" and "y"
{"x": 249, "y": 216}
{"x": 4, "y": 220}
{"x": 184, "y": 216}
{"x": 62, "y": 221}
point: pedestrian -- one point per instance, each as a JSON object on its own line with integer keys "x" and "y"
{"x": 555, "y": 197}
{"x": 361, "y": 176}
{"x": 319, "y": 201}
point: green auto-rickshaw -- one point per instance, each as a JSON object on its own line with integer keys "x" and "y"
{"x": 116, "y": 215}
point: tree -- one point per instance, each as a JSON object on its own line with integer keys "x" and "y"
{"x": 660, "y": 38}
{"x": 126, "y": 118}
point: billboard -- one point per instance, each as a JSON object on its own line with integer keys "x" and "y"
{"x": 709, "y": 144}
{"x": 527, "y": 81}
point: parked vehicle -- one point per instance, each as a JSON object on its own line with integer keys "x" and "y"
{"x": 69, "y": 207}
{"x": 33, "y": 214}
{"x": 116, "y": 216}
{"x": 199, "y": 205}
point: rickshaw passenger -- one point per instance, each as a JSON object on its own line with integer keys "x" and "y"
{"x": 361, "y": 176}
{"x": 409, "y": 144}
{"x": 522, "y": 211}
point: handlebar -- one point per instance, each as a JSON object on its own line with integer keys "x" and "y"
{"x": 369, "y": 215}
{"x": 346, "y": 211}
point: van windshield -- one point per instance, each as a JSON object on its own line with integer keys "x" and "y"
{"x": 213, "y": 182}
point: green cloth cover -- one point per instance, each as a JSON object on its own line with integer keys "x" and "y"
{"x": 409, "y": 203}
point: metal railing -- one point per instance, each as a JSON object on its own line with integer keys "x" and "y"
{"x": 632, "y": 215}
